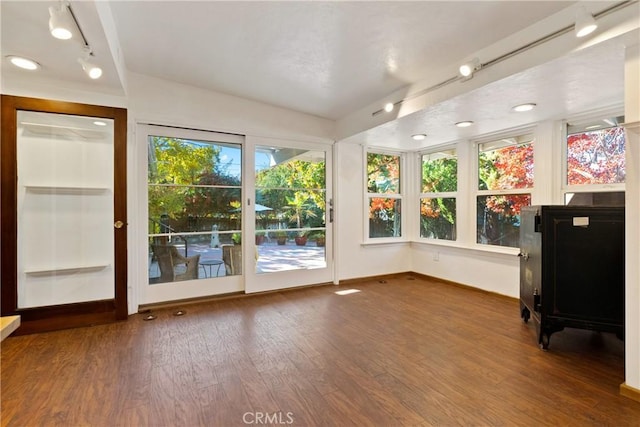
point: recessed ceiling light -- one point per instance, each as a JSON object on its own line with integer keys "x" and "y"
{"x": 524, "y": 107}
{"x": 24, "y": 63}
{"x": 99, "y": 123}
{"x": 593, "y": 127}
{"x": 464, "y": 124}
{"x": 419, "y": 136}
{"x": 388, "y": 107}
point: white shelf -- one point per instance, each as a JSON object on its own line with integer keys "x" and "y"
{"x": 65, "y": 270}
{"x": 64, "y": 189}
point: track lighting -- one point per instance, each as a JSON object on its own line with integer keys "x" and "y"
{"x": 468, "y": 68}
{"x": 61, "y": 22}
{"x": 91, "y": 69}
{"x": 585, "y": 23}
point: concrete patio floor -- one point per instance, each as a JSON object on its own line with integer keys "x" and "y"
{"x": 271, "y": 258}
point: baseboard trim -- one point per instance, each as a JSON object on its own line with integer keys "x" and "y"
{"x": 145, "y": 308}
{"x": 630, "y": 392}
{"x": 461, "y": 285}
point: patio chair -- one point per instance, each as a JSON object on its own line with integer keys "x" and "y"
{"x": 175, "y": 267}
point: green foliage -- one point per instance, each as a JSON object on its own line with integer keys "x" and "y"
{"x": 183, "y": 164}
{"x": 383, "y": 173}
{"x": 294, "y": 189}
{"x": 439, "y": 175}
{"x": 300, "y": 208}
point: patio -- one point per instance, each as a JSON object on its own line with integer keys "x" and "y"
{"x": 271, "y": 258}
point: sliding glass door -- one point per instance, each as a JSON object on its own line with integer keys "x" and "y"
{"x": 227, "y": 213}
{"x": 291, "y": 215}
{"x": 193, "y": 245}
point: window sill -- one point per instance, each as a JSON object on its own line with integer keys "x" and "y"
{"x": 385, "y": 243}
{"x": 502, "y": 250}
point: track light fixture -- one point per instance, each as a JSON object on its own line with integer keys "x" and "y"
{"x": 61, "y": 22}
{"x": 585, "y": 23}
{"x": 468, "y": 68}
{"x": 92, "y": 70}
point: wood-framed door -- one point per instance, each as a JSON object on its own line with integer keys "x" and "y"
{"x": 63, "y": 232}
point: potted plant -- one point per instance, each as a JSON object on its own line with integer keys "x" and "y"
{"x": 320, "y": 238}
{"x": 281, "y": 237}
{"x": 260, "y": 236}
{"x": 236, "y": 238}
{"x": 301, "y": 238}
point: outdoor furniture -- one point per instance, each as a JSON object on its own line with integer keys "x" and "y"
{"x": 232, "y": 257}
{"x": 210, "y": 263}
{"x": 174, "y": 266}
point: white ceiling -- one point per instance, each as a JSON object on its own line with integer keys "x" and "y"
{"x": 329, "y": 59}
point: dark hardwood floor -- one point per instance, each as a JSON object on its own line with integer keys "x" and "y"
{"x": 401, "y": 353}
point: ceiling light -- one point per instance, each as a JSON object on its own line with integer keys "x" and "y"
{"x": 464, "y": 124}
{"x": 467, "y": 69}
{"x": 24, "y": 63}
{"x": 388, "y": 107}
{"x": 92, "y": 70}
{"x": 419, "y": 136}
{"x": 585, "y": 23}
{"x": 60, "y": 22}
{"x": 593, "y": 127}
{"x": 99, "y": 123}
{"x": 524, "y": 107}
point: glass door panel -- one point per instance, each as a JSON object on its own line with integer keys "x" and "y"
{"x": 290, "y": 209}
{"x": 194, "y": 213}
{"x": 291, "y": 212}
{"x": 65, "y": 200}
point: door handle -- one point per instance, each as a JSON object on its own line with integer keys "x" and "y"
{"x": 118, "y": 224}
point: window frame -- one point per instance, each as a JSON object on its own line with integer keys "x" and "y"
{"x": 438, "y": 195}
{"x": 476, "y": 192}
{"x": 565, "y": 187}
{"x": 401, "y": 196}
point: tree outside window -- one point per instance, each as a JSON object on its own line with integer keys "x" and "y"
{"x": 438, "y": 195}
{"x": 596, "y": 156}
{"x": 505, "y": 178}
{"x": 384, "y": 195}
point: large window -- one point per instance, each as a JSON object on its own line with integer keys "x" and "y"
{"x": 384, "y": 195}
{"x": 595, "y": 162}
{"x": 439, "y": 185}
{"x": 194, "y": 208}
{"x": 505, "y": 180}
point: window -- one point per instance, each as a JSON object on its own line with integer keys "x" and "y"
{"x": 505, "y": 180}
{"x": 194, "y": 207}
{"x": 595, "y": 162}
{"x": 438, "y": 189}
{"x": 384, "y": 195}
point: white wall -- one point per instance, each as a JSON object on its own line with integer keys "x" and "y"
{"x": 632, "y": 218}
{"x": 353, "y": 258}
{"x": 158, "y": 101}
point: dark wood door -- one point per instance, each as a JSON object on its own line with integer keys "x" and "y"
{"x": 47, "y": 271}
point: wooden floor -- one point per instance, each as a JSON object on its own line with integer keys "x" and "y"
{"x": 405, "y": 352}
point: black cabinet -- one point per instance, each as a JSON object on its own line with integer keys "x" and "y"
{"x": 572, "y": 268}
